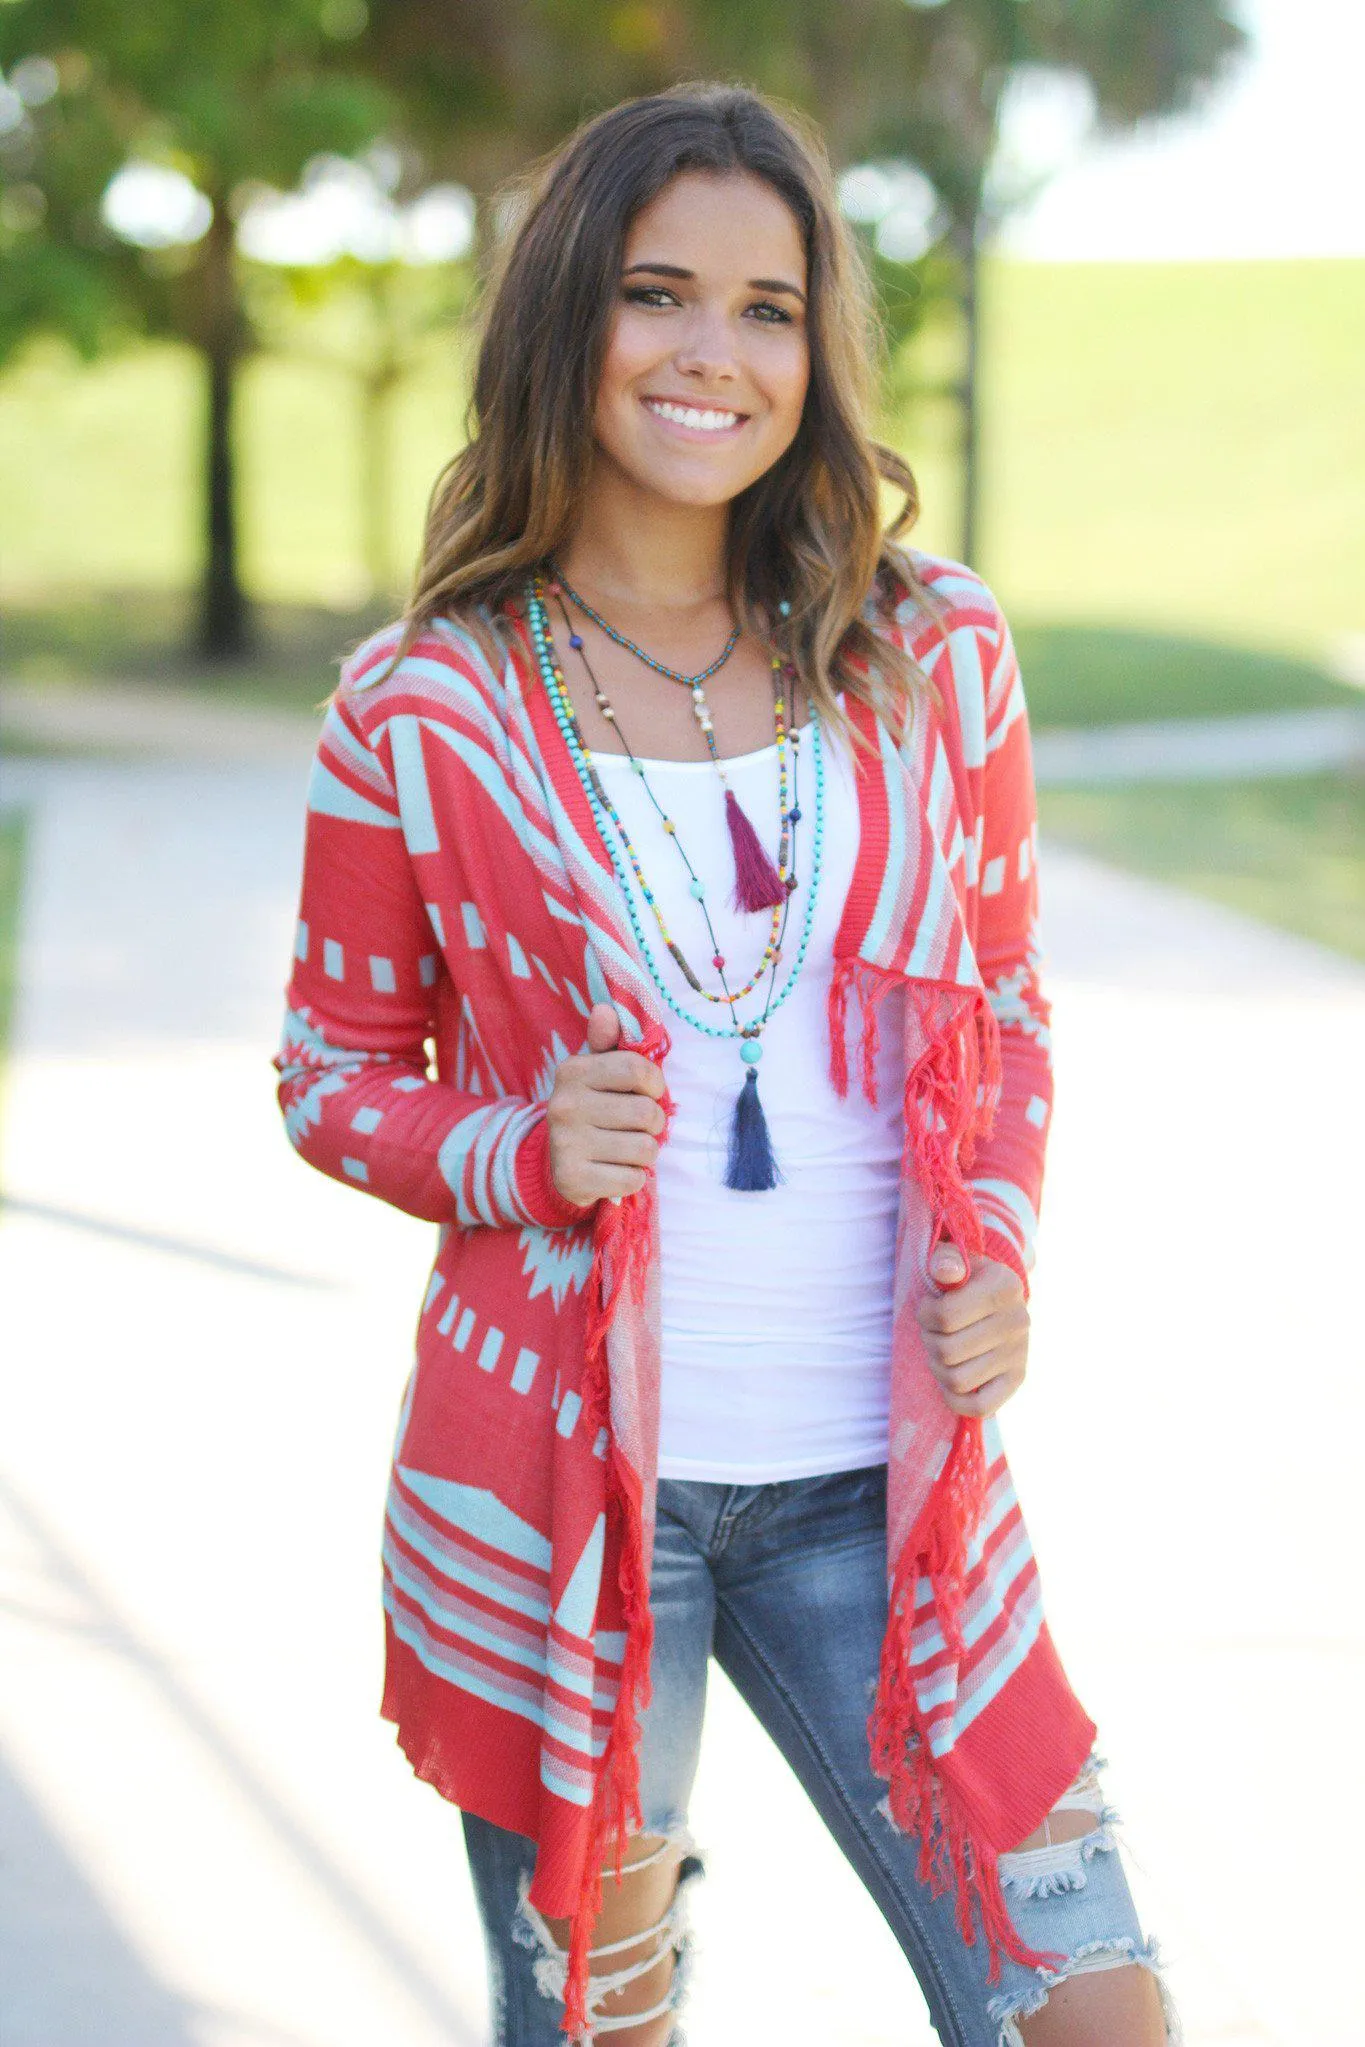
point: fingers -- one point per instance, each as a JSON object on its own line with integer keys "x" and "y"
{"x": 607, "y": 1164}
{"x": 604, "y": 1027}
{"x": 948, "y": 1267}
{"x": 975, "y": 1332}
{"x": 605, "y": 1116}
{"x": 987, "y": 1399}
{"x": 627, "y": 1112}
{"x": 990, "y": 1289}
{"x": 607, "y": 1183}
{"x": 617, "y": 1072}
{"x": 625, "y": 1073}
{"x": 589, "y": 1162}
{"x": 963, "y": 1347}
{"x": 621, "y": 1148}
{"x": 1008, "y": 1357}
{"x": 578, "y": 1104}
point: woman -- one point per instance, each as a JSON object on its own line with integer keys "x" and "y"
{"x": 675, "y": 753}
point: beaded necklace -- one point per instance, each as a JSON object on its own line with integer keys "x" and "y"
{"x": 786, "y": 879}
{"x": 750, "y": 1164}
{"x": 660, "y": 667}
{"x": 758, "y": 884}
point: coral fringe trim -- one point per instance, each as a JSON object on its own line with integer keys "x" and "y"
{"x": 951, "y": 1094}
{"x": 622, "y": 1235}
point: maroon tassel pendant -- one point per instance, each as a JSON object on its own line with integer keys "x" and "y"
{"x": 758, "y": 885}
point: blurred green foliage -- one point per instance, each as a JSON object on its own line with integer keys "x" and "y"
{"x": 1176, "y": 449}
{"x": 1289, "y": 850}
{"x": 375, "y": 323}
{"x": 225, "y": 94}
{"x": 13, "y": 833}
{"x": 1106, "y": 675}
{"x": 233, "y": 96}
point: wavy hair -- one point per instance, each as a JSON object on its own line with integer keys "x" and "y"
{"x": 808, "y": 532}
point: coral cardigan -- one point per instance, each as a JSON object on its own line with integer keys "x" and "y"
{"x": 456, "y": 889}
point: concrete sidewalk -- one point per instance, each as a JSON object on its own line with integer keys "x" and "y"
{"x": 210, "y": 1838}
{"x": 139, "y": 722}
{"x": 1203, "y": 749}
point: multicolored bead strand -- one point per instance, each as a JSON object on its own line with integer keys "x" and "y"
{"x": 758, "y": 884}
{"x": 750, "y": 1166}
{"x": 773, "y": 950}
{"x": 559, "y": 582}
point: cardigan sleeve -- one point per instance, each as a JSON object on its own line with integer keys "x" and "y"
{"x": 1007, "y": 1172}
{"x": 355, "y": 1090}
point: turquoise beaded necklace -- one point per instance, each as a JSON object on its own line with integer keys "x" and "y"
{"x": 758, "y": 884}
{"x": 692, "y": 682}
{"x": 785, "y": 881}
{"x": 750, "y": 1165}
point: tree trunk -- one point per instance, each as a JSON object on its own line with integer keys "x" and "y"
{"x": 375, "y": 481}
{"x": 968, "y": 240}
{"x": 224, "y": 619}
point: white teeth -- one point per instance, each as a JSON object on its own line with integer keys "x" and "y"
{"x": 689, "y": 415}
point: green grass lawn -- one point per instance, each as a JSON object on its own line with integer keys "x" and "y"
{"x": 1179, "y": 446}
{"x": 1289, "y": 850}
{"x": 109, "y": 456}
{"x": 1174, "y": 519}
{"x": 1175, "y": 449}
{"x": 1100, "y": 675}
{"x": 1074, "y": 674}
{"x": 141, "y": 637}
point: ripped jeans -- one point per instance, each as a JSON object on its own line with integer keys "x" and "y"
{"x": 785, "y": 1584}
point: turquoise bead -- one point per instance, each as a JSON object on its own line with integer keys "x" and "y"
{"x": 698, "y": 888}
{"x": 750, "y": 1051}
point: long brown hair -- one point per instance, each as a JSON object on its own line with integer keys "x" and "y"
{"x": 807, "y": 533}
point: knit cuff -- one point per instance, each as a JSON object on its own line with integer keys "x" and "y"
{"x": 536, "y": 1190}
{"x": 1000, "y": 1245}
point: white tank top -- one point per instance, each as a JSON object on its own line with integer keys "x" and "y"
{"x": 776, "y": 1305}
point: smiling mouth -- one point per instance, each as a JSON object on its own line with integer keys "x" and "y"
{"x": 706, "y": 419}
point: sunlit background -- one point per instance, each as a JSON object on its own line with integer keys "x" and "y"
{"x": 1161, "y": 441}
{"x": 1120, "y": 252}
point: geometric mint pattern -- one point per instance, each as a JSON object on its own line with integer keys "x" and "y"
{"x": 458, "y": 916}
{"x": 467, "y": 1587}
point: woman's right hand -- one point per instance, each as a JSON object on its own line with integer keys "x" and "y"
{"x": 604, "y": 1116}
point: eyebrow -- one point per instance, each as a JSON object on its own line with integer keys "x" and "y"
{"x": 755, "y": 283}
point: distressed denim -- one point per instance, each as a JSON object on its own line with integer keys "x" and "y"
{"x": 785, "y": 1585}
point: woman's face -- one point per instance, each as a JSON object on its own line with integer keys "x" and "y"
{"x": 708, "y": 358}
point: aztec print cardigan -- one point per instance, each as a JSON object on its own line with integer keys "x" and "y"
{"x": 456, "y": 889}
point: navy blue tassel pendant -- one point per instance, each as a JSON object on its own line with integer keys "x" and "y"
{"x": 751, "y": 1167}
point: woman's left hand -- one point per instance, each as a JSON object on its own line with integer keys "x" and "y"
{"x": 975, "y": 1328}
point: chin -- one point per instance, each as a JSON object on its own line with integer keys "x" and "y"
{"x": 682, "y": 486}
{"x": 698, "y": 495}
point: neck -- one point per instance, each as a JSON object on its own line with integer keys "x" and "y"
{"x": 630, "y": 548}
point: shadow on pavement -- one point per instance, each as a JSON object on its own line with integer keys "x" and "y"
{"x": 68, "y": 1971}
{"x": 158, "y": 1240}
{"x": 80, "y": 1603}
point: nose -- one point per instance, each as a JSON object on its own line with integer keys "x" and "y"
{"x": 707, "y": 351}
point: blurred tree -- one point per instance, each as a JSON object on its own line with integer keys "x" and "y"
{"x": 119, "y": 169}
{"x": 925, "y": 81}
{"x": 224, "y": 97}
{"x": 343, "y": 275}
{"x": 904, "y": 83}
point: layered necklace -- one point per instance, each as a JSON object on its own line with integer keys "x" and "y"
{"x": 750, "y": 1164}
{"x": 758, "y": 884}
